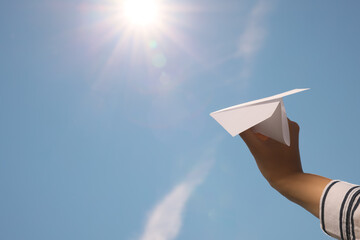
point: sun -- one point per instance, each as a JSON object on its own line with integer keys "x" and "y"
{"x": 142, "y": 13}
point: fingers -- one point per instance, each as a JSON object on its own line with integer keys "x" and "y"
{"x": 262, "y": 137}
{"x": 250, "y": 138}
{"x": 258, "y": 140}
{"x": 294, "y": 125}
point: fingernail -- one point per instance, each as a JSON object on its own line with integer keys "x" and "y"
{"x": 262, "y": 137}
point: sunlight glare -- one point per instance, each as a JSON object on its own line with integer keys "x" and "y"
{"x": 142, "y": 12}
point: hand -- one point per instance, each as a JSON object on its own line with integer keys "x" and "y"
{"x": 281, "y": 166}
{"x": 275, "y": 160}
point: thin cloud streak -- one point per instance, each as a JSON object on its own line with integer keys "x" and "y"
{"x": 253, "y": 37}
{"x": 165, "y": 221}
{"x": 251, "y": 40}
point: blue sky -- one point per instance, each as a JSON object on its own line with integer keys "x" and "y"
{"x": 106, "y": 133}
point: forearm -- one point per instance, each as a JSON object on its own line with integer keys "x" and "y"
{"x": 281, "y": 166}
{"x": 302, "y": 188}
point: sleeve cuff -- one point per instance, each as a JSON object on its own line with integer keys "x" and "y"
{"x": 339, "y": 211}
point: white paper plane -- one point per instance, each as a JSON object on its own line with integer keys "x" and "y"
{"x": 267, "y": 116}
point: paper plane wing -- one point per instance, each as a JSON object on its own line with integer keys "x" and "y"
{"x": 267, "y": 116}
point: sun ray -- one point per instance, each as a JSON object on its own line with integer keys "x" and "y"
{"x": 126, "y": 27}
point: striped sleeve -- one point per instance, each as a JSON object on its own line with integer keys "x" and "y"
{"x": 340, "y": 211}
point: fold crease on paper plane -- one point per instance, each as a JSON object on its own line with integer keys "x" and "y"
{"x": 266, "y": 116}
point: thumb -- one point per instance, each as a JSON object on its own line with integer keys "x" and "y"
{"x": 294, "y": 132}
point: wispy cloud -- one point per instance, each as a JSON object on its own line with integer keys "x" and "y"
{"x": 165, "y": 220}
{"x": 251, "y": 39}
{"x": 253, "y": 36}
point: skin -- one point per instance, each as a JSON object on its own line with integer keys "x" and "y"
{"x": 281, "y": 167}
